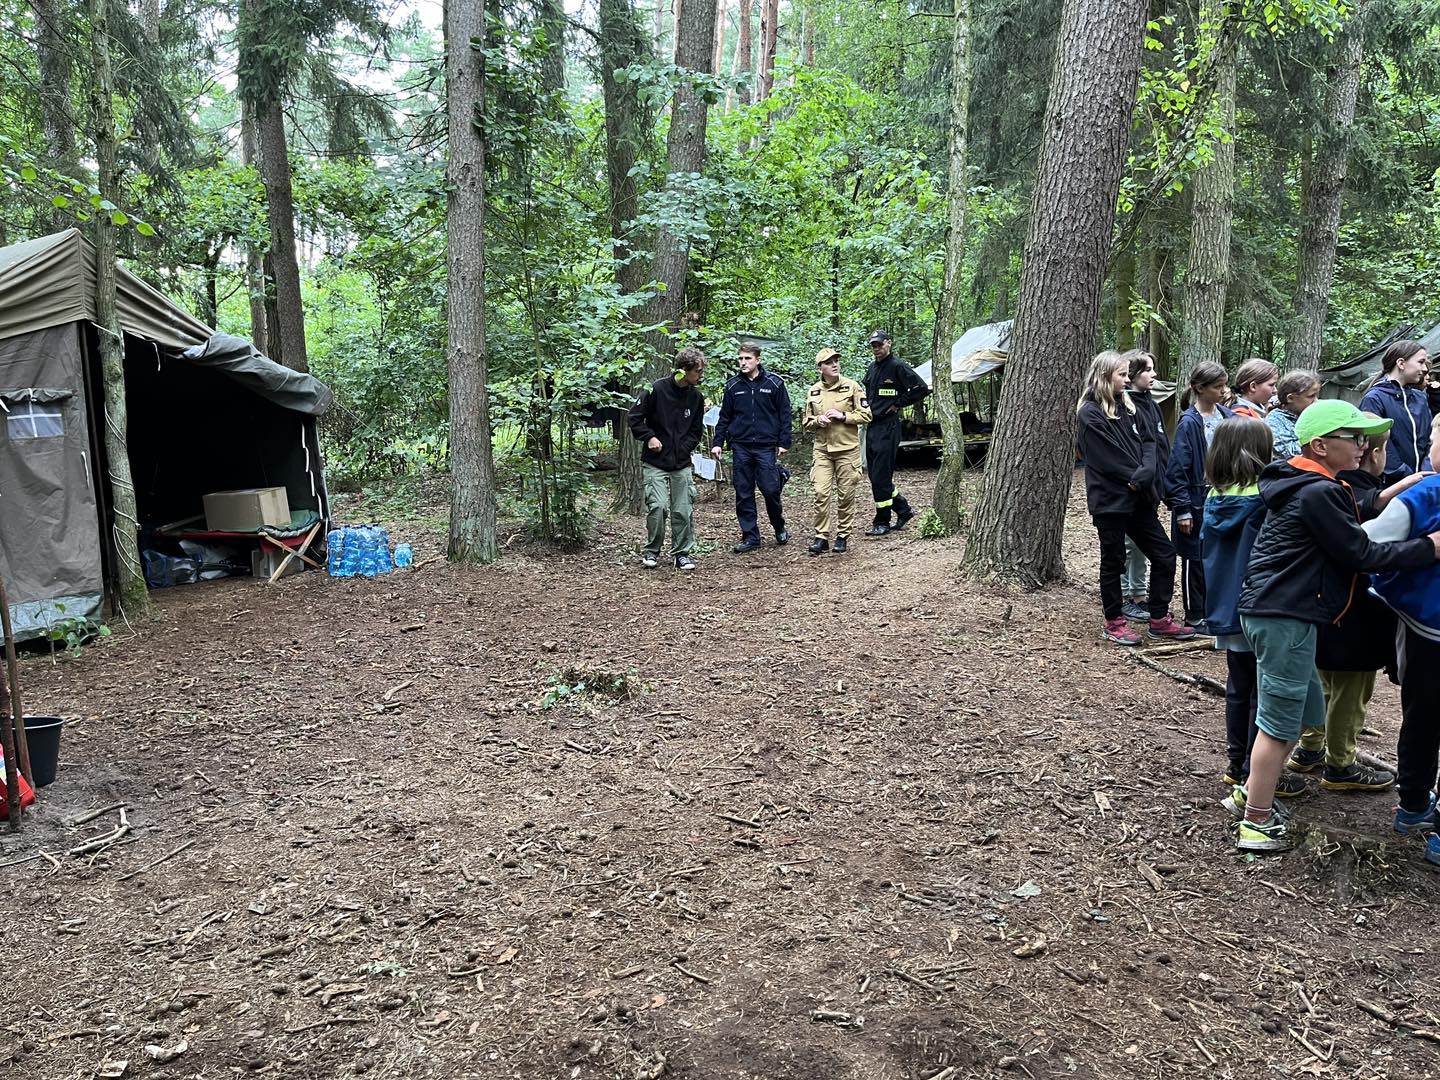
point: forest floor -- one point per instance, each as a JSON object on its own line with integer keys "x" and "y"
{"x": 808, "y": 818}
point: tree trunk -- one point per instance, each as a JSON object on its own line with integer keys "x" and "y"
{"x": 1125, "y": 298}
{"x": 289, "y": 334}
{"x": 719, "y": 54}
{"x": 1162, "y": 281}
{"x": 552, "y": 68}
{"x": 1212, "y": 195}
{"x": 807, "y": 39}
{"x": 621, "y": 45}
{"x": 472, "y": 462}
{"x": 1324, "y": 196}
{"x": 947, "y": 410}
{"x": 150, "y": 21}
{"x": 744, "y": 62}
{"x": 134, "y": 597}
{"x": 769, "y": 35}
{"x": 52, "y": 54}
{"x": 255, "y": 284}
{"x": 1020, "y": 517}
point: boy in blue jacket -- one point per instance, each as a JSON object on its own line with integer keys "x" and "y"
{"x": 755, "y": 421}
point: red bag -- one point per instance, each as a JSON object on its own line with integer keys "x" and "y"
{"x": 27, "y": 794}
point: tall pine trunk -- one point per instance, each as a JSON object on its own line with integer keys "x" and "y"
{"x": 744, "y": 51}
{"x": 134, "y": 597}
{"x": 1020, "y": 517}
{"x": 287, "y": 334}
{"x": 947, "y": 409}
{"x": 472, "y": 461}
{"x": 255, "y": 284}
{"x": 621, "y": 45}
{"x": 1212, "y": 196}
{"x": 1324, "y": 196}
{"x": 552, "y": 68}
{"x": 769, "y": 36}
{"x": 718, "y": 57}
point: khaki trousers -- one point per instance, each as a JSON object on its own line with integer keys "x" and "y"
{"x": 1347, "y": 697}
{"x": 835, "y": 472}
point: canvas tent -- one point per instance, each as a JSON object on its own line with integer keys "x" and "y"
{"x": 206, "y": 413}
{"x": 1351, "y": 379}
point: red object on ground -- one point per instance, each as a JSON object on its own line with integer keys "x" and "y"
{"x": 27, "y": 793}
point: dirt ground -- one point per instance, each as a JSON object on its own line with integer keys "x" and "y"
{"x": 795, "y": 819}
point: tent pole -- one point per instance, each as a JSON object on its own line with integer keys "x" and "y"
{"x": 7, "y": 742}
{"x": 12, "y": 670}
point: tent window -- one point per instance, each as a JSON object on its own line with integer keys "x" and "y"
{"x": 34, "y": 420}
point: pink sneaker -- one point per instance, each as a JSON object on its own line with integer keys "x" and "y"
{"x": 1167, "y": 629}
{"x": 1118, "y": 631}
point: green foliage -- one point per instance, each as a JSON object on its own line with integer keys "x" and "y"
{"x": 72, "y": 632}
{"x": 930, "y": 525}
{"x": 573, "y": 683}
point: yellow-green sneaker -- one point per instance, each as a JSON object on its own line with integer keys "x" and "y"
{"x": 1270, "y": 835}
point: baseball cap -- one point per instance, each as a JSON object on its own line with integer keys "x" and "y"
{"x": 880, "y": 335}
{"x": 1331, "y": 415}
{"x": 827, "y": 354}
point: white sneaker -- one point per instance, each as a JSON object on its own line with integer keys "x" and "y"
{"x": 648, "y": 561}
{"x": 684, "y": 562}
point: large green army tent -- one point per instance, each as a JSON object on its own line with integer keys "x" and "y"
{"x": 206, "y": 413}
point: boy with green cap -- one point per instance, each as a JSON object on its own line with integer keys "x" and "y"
{"x": 1302, "y": 574}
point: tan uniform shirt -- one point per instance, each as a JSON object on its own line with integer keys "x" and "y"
{"x": 848, "y": 396}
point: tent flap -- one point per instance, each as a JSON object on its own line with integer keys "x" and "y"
{"x": 238, "y": 359}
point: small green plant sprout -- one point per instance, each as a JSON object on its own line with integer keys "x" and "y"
{"x": 931, "y": 527}
{"x": 70, "y": 632}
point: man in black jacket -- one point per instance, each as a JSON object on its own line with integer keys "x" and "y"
{"x": 669, "y": 422}
{"x": 890, "y": 386}
{"x": 1303, "y": 574}
{"x": 755, "y": 420}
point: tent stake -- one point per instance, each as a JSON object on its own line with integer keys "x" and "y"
{"x": 12, "y": 669}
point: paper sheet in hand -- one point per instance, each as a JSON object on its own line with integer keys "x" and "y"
{"x": 704, "y": 466}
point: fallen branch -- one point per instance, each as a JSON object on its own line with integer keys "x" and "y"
{"x": 100, "y": 843}
{"x": 334, "y": 1020}
{"x": 92, "y": 815}
{"x": 163, "y": 858}
{"x": 1201, "y": 682}
{"x": 1194, "y": 645}
{"x": 683, "y": 970}
{"x": 1395, "y": 1022}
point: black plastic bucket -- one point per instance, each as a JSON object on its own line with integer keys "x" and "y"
{"x": 42, "y": 733}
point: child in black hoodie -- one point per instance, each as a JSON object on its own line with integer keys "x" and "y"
{"x": 1119, "y": 454}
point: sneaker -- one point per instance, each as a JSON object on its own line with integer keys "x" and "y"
{"x": 877, "y": 530}
{"x": 818, "y": 546}
{"x": 841, "y": 545}
{"x": 782, "y": 538}
{"x": 1272, "y": 834}
{"x": 1432, "y": 850}
{"x": 1135, "y": 611}
{"x": 1234, "y": 804}
{"x": 1167, "y": 629}
{"x": 1357, "y": 777}
{"x": 903, "y": 518}
{"x": 648, "y": 561}
{"x": 745, "y": 547}
{"x": 1119, "y": 632}
{"x": 684, "y": 562}
{"x": 1290, "y": 786}
{"x": 1233, "y": 776}
{"x": 1417, "y": 822}
{"x": 1302, "y": 760}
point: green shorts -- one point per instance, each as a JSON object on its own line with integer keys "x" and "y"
{"x": 1291, "y": 696}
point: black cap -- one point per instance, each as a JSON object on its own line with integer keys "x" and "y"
{"x": 880, "y": 335}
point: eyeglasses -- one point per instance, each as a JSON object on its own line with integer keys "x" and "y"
{"x": 1360, "y": 441}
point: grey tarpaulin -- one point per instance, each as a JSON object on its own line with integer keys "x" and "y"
{"x": 206, "y": 412}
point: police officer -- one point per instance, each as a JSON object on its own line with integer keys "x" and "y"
{"x": 835, "y": 408}
{"x": 755, "y": 420}
{"x": 890, "y": 386}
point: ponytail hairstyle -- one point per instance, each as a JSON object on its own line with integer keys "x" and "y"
{"x": 1097, "y": 386}
{"x": 1294, "y": 384}
{"x": 1241, "y": 448}
{"x": 1253, "y": 371}
{"x": 1139, "y": 360}
{"x": 1398, "y": 350}
{"x": 1206, "y": 374}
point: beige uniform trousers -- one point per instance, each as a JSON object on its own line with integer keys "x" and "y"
{"x": 835, "y": 472}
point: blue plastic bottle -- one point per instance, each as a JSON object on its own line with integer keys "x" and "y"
{"x": 383, "y": 565}
{"x": 368, "y": 566}
{"x": 334, "y": 548}
{"x": 350, "y": 559}
{"x": 404, "y": 555}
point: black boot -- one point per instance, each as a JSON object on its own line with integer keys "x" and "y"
{"x": 820, "y": 545}
{"x": 841, "y": 545}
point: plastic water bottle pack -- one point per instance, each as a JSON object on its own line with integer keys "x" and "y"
{"x": 359, "y": 551}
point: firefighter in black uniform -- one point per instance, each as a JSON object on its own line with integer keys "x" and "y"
{"x": 890, "y": 386}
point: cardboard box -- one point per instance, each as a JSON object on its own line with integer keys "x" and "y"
{"x": 246, "y": 510}
{"x": 264, "y": 560}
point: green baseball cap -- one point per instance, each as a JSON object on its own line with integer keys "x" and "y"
{"x": 1332, "y": 415}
